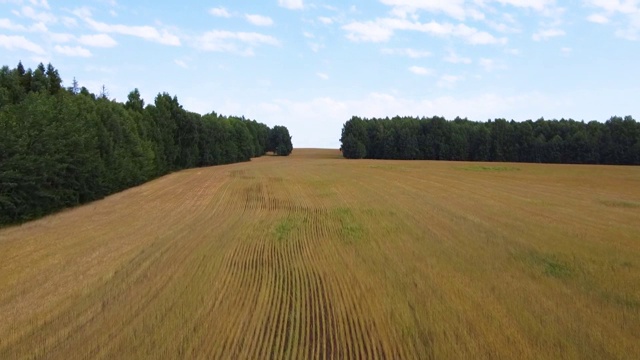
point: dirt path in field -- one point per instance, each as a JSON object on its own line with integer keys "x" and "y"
{"x": 314, "y": 256}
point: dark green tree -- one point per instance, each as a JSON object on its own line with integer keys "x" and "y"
{"x": 556, "y": 141}
{"x": 280, "y": 141}
{"x": 353, "y": 148}
{"x": 60, "y": 148}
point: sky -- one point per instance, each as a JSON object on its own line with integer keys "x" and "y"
{"x": 312, "y": 65}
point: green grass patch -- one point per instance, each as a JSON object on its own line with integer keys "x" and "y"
{"x": 621, "y": 204}
{"x": 548, "y": 264}
{"x": 625, "y": 301}
{"x": 284, "y": 228}
{"x": 350, "y": 230}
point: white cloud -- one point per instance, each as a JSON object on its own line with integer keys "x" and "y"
{"x": 145, "y": 32}
{"x": 291, "y": 4}
{"x": 454, "y": 8}
{"x": 21, "y": 43}
{"x": 454, "y": 58}
{"x": 10, "y": 25}
{"x": 181, "y": 63}
{"x": 259, "y": 20}
{"x": 76, "y": 51}
{"x": 538, "y": 5}
{"x": 315, "y": 47}
{"x": 382, "y": 30}
{"x": 627, "y": 9}
{"x": 325, "y": 20}
{"x": 419, "y": 70}
{"x": 43, "y": 17}
{"x": 69, "y": 22}
{"x": 629, "y": 33}
{"x": 598, "y": 18}
{"x": 412, "y": 53}
{"x": 566, "y": 51}
{"x": 98, "y": 40}
{"x": 503, "y": 28}
{"x": 39, "y": 27}
{"x": 370, "y": 31}
{"x": 487, "y": 64}
{"x": 490, "y": 64}
{"x": 61, "y": 37}
{"x": 323, "y": 76}
{"x": 547, "y": 34}
{"x": 219, "y": 12}
{"x": 233, "y": 42}
{"x": 616, "y": 6}
{"x": 449, "y": 81}
{"x": 40, "y": 3}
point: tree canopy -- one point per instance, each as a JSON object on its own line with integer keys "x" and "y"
{"x": 280, "y": 141}
{"x": 62, "y": 147}
{"x": 615, "y": 141}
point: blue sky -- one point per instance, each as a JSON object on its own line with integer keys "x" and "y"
{"x": 311, "y": 65}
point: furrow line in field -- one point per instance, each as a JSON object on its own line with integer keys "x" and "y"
{"x": 220, "y": 285}
{"x": 315, "y": 334}
{"x": 225, "y": 301}
{"x": 307, "y": 315}
{"x": 283, "y": 306}
{"x": 277, "y": 302}
{"x": 265, "y": 335}
{"x": 342, "y": 333}
{"x": 297, "y": 341}
{"x": 306, "y": 303}
{"x": 289, "y": 259}
{"x": 318, "y": 337}
{"x": 311, "y": 297}
{"x": 132, "y": 274}
{"x": 255, "y": 312}
{"x": 259, "y": 267}
{"x": 294, "y": 305}
{"x": 138, "y": 226}
{"x": 325, "y": 344}
{"x": 361, "y": 340}
{"x": 343, "y": 293}
{"x": 375, "y": 183}
{"x": 315, "y": 339}
{"x": 176, "y": 269}
{"x": 328, "y": 313}
{"x": 244, "y": 298}
{"x": 74, "y": 318}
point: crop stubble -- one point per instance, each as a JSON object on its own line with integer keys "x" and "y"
{"x": 314, "y": 256}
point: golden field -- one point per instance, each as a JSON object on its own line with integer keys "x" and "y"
{"x": 315, "y": 256}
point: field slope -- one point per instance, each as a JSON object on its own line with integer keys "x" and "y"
{"x": 315, "y": 256}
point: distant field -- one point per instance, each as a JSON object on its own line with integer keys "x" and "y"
{"x": 315, "y": 256}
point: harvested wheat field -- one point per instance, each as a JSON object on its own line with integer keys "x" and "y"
{"x": 315, "y": 256}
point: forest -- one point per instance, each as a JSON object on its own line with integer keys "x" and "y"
{"x": 60, "y": 147}
{"x": 615, "y": 141}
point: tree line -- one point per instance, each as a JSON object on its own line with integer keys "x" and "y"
{"x": 616, "y": 141}
{"x": 60, "y": 147}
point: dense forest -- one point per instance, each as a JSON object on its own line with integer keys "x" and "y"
{"x": 616, "y": 141}
{"x": 61, "y": 147}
